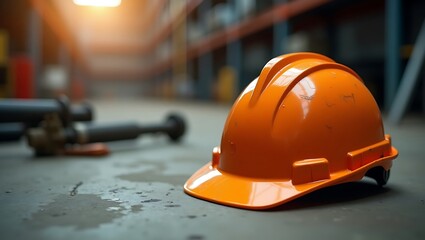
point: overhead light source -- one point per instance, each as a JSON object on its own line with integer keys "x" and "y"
{"x": 98, "y": 3}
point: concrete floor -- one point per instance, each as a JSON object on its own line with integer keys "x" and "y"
{"x": 136, "y": 192}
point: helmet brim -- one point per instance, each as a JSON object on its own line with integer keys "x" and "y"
{"x": 211, "y": 184}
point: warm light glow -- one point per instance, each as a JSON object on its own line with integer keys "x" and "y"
{"x": 98, "y": 3}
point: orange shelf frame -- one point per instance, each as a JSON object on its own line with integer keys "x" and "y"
{"x": 263, "y": 20}
{"x": 219, "y": 39}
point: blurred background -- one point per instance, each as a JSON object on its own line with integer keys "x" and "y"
{"x": 205, "y": 50}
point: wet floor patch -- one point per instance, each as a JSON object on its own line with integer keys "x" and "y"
{"x": 172, "y": 205}
{"x": 195, "y": 237}
{"x": 136, "y": 208}
{"x": 155, "y": 175}
{"x": 193, "y": 216}
{"x": 151, "y": 200}
{"x": 82, "y": 211}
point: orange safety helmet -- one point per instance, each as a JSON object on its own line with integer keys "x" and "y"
{"x": 305, "y": 123}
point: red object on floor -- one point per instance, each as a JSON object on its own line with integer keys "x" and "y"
{"x": 22, "y": 76}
